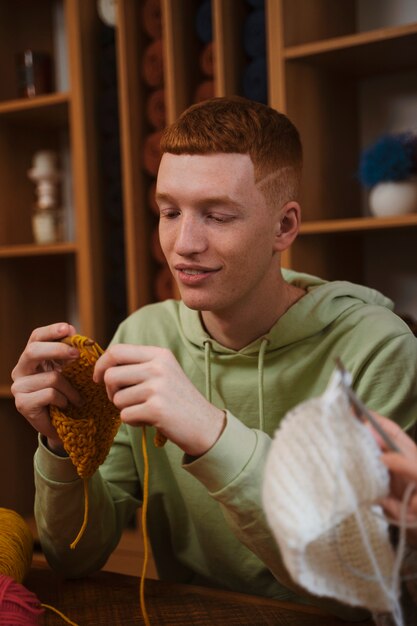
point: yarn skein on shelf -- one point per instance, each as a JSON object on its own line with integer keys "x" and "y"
{"x": 18, "y": 605}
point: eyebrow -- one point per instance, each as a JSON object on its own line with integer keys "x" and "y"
{"x": 206, "y": 202}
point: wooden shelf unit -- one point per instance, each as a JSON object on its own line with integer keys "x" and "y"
{"x": 41, "y": 284}
{"x": 317, "y": 61}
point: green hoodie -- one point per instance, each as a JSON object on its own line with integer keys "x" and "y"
{"x": 205, "y": 515}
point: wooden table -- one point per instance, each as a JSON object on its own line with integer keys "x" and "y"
{"x": 110, "y": 599}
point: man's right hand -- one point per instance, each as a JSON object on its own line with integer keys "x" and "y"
{"x": 37, "y": 381}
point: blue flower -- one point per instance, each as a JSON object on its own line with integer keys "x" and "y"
{"x": 390, "y": 158}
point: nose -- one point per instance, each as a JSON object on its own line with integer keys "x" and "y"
{"x": 190, "y": 236}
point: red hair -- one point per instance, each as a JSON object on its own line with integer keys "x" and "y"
{"x": 237, "y": 125}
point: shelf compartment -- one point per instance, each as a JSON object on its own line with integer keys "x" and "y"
{"x": 39, "y": 292}
{"x": 23, "y": 25}
{"x": 18, "y": 191}
{"x": 374, "y": 52}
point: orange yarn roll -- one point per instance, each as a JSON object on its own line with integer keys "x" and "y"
{"x": 155, "y": 109}
{"x": 207, "y": 59}
{"x": 151, "y": 18}
{"x": 204, "y": 91}
{"x": 152, "y": 153}
{"x": 152, "y": 66}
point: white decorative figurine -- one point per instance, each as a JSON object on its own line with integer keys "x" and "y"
{"x": 47, "y": 216}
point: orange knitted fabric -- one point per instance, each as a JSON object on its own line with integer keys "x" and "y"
{"x": 86, "y": 432}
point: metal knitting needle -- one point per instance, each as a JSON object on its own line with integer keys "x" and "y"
{"x": 361, "y": 410}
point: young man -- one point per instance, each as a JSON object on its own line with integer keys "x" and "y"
{"x": 216, "y": 372}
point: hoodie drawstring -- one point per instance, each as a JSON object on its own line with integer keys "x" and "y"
{"x": 207, "y": 365}
{"x": 261, "y": 358}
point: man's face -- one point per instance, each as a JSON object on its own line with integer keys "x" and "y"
{"x": 215, "y": 230}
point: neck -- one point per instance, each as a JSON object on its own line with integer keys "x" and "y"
{"x": 237, "y": 329}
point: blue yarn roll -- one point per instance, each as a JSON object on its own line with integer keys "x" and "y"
{"x": 203, "y": 22}
{"x": 255, "y": 82}
{"x": 254, "y": 37}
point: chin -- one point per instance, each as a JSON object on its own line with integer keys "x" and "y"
{"x": 196, "y": 301}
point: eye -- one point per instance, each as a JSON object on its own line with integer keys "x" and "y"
{"x": 220, "y": 218}
{"x": 168, "y": 213}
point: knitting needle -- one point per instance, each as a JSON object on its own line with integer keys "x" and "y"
{"x": 361, "y": 410}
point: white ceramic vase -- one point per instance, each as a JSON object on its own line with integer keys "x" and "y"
{"x": 393, "y": 198}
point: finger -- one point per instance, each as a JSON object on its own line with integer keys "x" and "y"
{"x": 124, "y": 354}
{"x": 401, "y": 465}
{"x": 34, "y": 407}
{"x": 37, "y": 353}
{"x": 394, "y": 431}
{"x": 126, "y": 376}
{"x": 131, "y": 396}
{"x": 53, "y": 332}
{"x": 393, "y": 508}
{"x": 47, "y": 380}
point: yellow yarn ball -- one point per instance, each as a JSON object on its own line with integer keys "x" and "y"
{"x": 16, "y": 545}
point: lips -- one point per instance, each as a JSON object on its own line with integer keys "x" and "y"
{"x": 193, "y": 275}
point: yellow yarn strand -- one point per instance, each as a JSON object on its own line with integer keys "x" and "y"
{"x": 145, "y": 500}
{"x": 85, "y": 520}
{"x": 64, "y": 617}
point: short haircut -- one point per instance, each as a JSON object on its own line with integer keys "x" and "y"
{"x": 237, "y": 125}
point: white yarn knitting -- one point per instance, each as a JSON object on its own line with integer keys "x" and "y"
{"x": 322, "y": 477}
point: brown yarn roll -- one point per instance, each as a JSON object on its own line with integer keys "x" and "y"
{"x": 153, "y": 64}
{"x": 155, "y": 109}
{"x": 152, "y": 153}
{"x": 151, "y": 198}
{"x": 164, "y": 288}
{"x": 156, "y": 249}
{"x": 207, "y": 59}
{"x": 204, "y": 91}
{"x": 151, "y": 18}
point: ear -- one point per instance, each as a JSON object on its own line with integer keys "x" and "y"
{"x": 287, "y": 226}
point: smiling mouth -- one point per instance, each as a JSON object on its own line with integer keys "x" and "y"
{"x": 191, "y": 275}
{"x": 195, "y": 272}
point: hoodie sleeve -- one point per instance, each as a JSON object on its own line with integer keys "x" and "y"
{"x": 387, "y": 380}
{"x": 59, "y": 508}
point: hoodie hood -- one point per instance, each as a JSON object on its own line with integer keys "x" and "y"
{"x": 323, "y": 304}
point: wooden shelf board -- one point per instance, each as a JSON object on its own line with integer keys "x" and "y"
{"x": 360, "y": 54}
{"x": 49, "y": 109}
{"x": 357, "y": 224}
{"x": 32, "y": 249}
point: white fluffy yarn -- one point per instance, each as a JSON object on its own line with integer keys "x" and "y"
{"x": 322, "y": 477}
